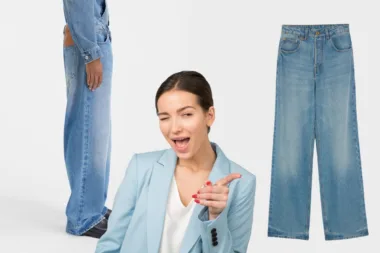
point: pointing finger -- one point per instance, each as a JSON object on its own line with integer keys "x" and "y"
{"x": 228, "y": 179}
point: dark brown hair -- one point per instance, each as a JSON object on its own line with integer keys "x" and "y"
{"x": 190, "y": 81}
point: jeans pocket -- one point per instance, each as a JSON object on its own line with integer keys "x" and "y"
{"x": 103, "y": 36}
{"x": 341, "y": 42}
{"x": 290, "y": 45}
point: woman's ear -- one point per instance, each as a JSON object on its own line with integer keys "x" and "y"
{"x": 210, "y": 116}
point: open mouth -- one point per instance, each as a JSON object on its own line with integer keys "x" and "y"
{"x": 181, "y": 143}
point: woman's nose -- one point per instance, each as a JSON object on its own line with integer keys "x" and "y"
{"x": 176, "y": 126}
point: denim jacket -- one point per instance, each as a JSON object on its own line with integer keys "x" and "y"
{"x": 80, "y": 16}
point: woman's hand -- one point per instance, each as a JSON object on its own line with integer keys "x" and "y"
{"x": 215, "y": 196}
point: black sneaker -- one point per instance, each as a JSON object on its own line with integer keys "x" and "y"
{"x": 98, "y": 230}
{"x": 108, "y": 213}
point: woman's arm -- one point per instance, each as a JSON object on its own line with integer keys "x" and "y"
{"x": 79, "y": 16}
{"x": 231, "y": 230}
{"x": 123, "y": 208}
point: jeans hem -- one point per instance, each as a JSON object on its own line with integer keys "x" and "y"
{"x": 336, "y": 236}
{"x": 81, "y": 230}
{"x": 280, "y": 234}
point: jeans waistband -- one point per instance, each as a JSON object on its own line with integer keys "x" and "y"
{"x": 316, "y": 30}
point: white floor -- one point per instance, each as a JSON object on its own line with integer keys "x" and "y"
{"x": 33, "y": 218}
{"x": 32, "y": 225}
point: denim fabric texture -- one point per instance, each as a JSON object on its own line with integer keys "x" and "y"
{"x": 316, "y": 101}
{"x": 87, "y": 128}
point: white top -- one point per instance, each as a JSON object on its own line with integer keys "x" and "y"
{"x": 177, "y": 218}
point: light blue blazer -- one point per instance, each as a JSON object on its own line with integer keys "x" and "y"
{"x": 137, "y": 219}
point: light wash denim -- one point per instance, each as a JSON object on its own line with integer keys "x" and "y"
{"x": 79, "y": 16}
{"x": 315, "y": 100}
{"x": 87, "y": 129}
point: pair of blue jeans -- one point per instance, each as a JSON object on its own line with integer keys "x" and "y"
{"x": 316, "y": 100}
{"x": 87, "y": 135}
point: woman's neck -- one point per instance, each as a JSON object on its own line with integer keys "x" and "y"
{"x": 202, "y": 160}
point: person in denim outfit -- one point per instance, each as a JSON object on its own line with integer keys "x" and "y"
{"x": 88, "y": 63}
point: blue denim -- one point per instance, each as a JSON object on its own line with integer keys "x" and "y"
{"x": 87, "y": 134}
{"x": 79, "y": 16}
{"x": 315, "y": 100}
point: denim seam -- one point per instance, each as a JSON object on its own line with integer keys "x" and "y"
{"x": 281, "y": 231}
{"x": 336, "y": 236}
{"x": 357, "y": 231}
{"x": 86, "y": 154}
{"x": 310, "y": 179}
{"x": 331, "y": 30}
{"x": 356, "y": 136}
{"x": 274, "y": 135}
{"x": 306, "y": 237}
{"x": 320, "y": 159}
{"x": 273, "y": 232}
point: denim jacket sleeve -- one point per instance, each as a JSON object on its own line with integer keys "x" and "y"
{"x": 79, "y": 16}
{"x": 230, "y": 232}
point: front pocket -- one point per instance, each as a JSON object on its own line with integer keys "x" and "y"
{"x": 341, "y": 42}
{"x": 289, "y": 45}
{"x": 102, "y": 36}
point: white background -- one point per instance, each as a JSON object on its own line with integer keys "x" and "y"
{"x": 233, "y": 43}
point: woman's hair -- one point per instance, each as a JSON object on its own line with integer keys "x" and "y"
{"x": 190, "y": 81}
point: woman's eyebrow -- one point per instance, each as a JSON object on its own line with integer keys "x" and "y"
{"x": 179, "y": 110}
{"x": 185, "y": 107}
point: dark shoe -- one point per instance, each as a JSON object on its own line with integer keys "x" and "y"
{"x": 98, "y": 230}
{"x": 108, "y": 213}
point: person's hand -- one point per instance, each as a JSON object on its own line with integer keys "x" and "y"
{"x": 215, "y": 196}
{"x": 94, "y": 72}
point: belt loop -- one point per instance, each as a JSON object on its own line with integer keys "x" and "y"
{"x": 306, "y": 33}
{"x": 327, "y": 33}
{"x": 303, "y": 34}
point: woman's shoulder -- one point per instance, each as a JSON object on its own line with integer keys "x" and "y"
{"x": 149, "y": 157}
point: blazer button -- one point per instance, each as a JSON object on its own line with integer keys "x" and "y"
{"x": 213, "y": 230}
{"x": 214, "y": 239}
{"x": 214, "y": 235}
{"x": 215, "y": 243}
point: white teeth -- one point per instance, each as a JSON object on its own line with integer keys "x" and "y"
{"x": 180, "y": 139}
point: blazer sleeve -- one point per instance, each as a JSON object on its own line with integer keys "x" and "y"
{"x": 122, "y": 212}
{"x": 230, "y": 232}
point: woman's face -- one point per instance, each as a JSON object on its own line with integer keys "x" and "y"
{"x": 183, "y": 122}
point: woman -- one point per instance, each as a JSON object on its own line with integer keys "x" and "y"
{"x": 190, "y": 198}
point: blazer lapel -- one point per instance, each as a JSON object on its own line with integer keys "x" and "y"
{"x": 159, "y": 187}
{"x": 220, "y": 169}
